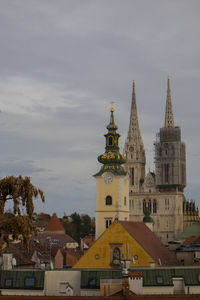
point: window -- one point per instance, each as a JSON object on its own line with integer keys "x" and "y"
{"x": 29, "y": 281}
{"x": 182, "y": 262}
{"x": 125, "y": 201}
{"x": 108, "y": 222}
{"x": 116, "y": 255}
{"x": 92, "y": 283}
{"x": 63, "y": 287}
{"x": 183, "y": 173}
{"x": 108, "y": 200}
{"x": 166, "y": 170}
{"x": 144, "y": 205}
{"x": 149, "y": 205}
{"x": 8, "y": 282}
{"x": 154, "y": 206}
{"x": 132, "y": 176}
{"x": 110, "y": 141}
{"x": 166, "y": 204}
{"x": 159, "y": 279}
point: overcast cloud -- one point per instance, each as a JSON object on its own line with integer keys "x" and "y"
{"x": 61, "y": 64}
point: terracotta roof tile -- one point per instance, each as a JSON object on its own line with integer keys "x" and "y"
{"x": 41, "y": 223}
{"x": 23, "y": 258}
{"x": 54, "y": 224}
{"x": 148, "y": 240}
{"x": 89, "y": 240}
{"x": 191, "y": 240}
{"x": 58, "y": 240}
{"x": 71, "y": 256}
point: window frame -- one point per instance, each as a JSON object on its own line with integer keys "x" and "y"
{"x": 108, "y": 222}
{"x": 108, "y": 200}
{"x": 29, "y": 278}
{"x": 8, "y": 286}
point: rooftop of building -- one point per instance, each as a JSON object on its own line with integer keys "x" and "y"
{"x": 148, "y": 240}
{"x": 54, "y": 224}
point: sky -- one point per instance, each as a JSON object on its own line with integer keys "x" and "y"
{"x": 61, "y": 64}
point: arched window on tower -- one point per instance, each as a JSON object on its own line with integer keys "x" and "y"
{"x": 149, "y": 205}
{"x": 110, "y": 141}
{"x": 154, "y": 206}
{"x": 132, "y": 176}
{"x": 166, "y": 172}
{"x": 108, "y": 200}
{"x": 183, "y": 173}
{"x": 144, "y": 205}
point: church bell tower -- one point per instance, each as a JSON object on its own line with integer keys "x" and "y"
{"x": 112, "y": 184}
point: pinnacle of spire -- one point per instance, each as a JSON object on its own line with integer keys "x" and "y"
{"x": 112, "y": 125}
{"x": 112, "y": 159}
{"x": 169, "y": 116}
{"x": 134, "y": 130}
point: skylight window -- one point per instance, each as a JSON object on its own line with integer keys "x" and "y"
{"x": 29, "y": 282}
{"x": 8, "y": 282}
{"x": 159, "y": 279}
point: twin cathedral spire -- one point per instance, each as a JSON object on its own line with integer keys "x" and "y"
{"x": 170, "y": 160}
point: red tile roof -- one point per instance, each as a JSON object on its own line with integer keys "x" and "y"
{"x": 58, "y": 240}
{"x": 191, "y": 240}
{"x": 23, "y": 258}
{"x": 54, "y": 224}
{"x": 151, "y": 244}
{"x": 41, "y": 223}
{"x": 71, "y": 256}
{"x": 89, "y": 240}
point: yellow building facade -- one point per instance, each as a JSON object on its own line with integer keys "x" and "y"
{"x": 126, "y": 245}
{"x": 113, "y": 246}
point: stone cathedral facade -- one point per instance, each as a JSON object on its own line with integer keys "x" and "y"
{"x": 160, "y": 192}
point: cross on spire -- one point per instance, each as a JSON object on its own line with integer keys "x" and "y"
{"x": 112, "y": 103}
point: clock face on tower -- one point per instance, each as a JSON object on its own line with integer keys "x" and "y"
{"x": 108, "y": 178}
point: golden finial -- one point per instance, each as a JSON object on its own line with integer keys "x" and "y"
{"x": 112, "y": 108}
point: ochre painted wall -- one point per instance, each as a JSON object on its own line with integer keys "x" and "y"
{"x": 100, "y": 254}
{"x": 119, "y": 191}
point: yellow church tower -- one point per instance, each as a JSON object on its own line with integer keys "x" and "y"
{"x": 112, "y": 182}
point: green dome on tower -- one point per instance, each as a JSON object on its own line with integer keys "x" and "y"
{"x": 112, "y": 159}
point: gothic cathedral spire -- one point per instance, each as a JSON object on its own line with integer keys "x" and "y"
{"x": 134, "y": 150}
{"x": 170, "y": 157}
{"x": 134, "y": 130}
{"x": 169, "y": 116}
